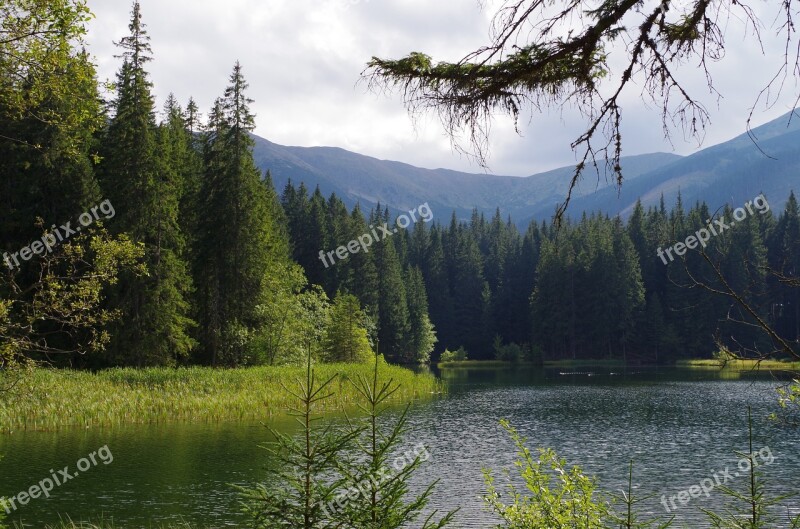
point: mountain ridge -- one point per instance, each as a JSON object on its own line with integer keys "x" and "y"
{"x": 765, "y": 159}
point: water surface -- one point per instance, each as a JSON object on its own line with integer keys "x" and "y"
{"x": 678, "y": 427}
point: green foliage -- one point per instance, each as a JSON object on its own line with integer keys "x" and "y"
{"x": 345, "y": 336}
{"x": 40, "y": 74}
{"x": 298, "y": 498}
{"x": 459, "y": 355}
{"x": 288, "y": 311}
{"x": 752, "y": 507}
{"x": 559, "y": 497}
{"x": 556, "y": 496}
{"x": 61, "y": 311}
{"x": 507, "y": 353}
{"x": 384, "y": 500}
{"x": 789, "y": 398}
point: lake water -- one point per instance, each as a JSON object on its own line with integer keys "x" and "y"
{"x": 678, "y": 427}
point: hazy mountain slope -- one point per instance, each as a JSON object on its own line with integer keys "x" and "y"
{"x": 732, "y": 172}
{"x": 358, "y": 178}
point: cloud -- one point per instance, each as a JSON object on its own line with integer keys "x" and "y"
{"x": 303, "y": 61}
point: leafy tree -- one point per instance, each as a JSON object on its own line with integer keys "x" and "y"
{"x": 44, "y": 73}
{"x": 557, "y": 496}
{"x": 62, "y": 311}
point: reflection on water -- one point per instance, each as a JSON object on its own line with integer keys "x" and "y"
{"x": 677, "y": 426}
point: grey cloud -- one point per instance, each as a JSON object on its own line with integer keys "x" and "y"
{"x": 303, "y": 61}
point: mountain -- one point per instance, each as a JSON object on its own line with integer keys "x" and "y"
{"x": 766, "y": 160}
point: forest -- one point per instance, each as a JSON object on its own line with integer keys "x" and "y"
{"x": 204, "y": 262}
{"x": 588, "y": 289}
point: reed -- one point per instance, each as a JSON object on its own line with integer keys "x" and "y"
{"x": 741, "y": 365}
{"x": 50, "y": 399}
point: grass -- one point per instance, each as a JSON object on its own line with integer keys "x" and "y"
{"x": 741, "y": 365}
{"x": 104, "y": 525}
{"x": 50, "y": 399}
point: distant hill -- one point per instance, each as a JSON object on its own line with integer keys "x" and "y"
{"x": 733, "y": 172}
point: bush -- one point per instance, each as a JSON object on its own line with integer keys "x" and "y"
{"x": 508, "y": 353}
{"x": 458, "y": 355}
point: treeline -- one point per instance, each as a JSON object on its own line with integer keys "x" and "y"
{"x": 587, "y": 289}
{"x": 198, "y": 260}
{"x": 213, "y": 281}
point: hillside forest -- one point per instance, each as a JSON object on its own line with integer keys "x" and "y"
{"x": 214, "y": 266}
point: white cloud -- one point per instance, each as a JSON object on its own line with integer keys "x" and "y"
{"x": 303, "y": 60}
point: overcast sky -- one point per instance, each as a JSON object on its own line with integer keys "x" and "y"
{"x": 303, "y": 60}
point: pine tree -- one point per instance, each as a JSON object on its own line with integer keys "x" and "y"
{"x": 440, "y": 301}
{"x": 142, "y": 175}
{"x": 362, "y": 275}
{"x": 241, "y": 246}
{"x": 384, "y": 500}
{"x": 392, "y": 305}
{"x": 470, "y": 291}
{"x": 421, "y": 337}
{"x": 345, "y": 336}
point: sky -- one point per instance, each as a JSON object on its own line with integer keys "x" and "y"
{"x": 304, "y": 58}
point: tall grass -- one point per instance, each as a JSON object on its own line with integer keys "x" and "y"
{"x": 69, "y": 524}
{"x": 50, "y": 399}
{"x": 742, "y": 365}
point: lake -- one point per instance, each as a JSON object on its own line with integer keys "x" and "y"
{"x": 678, "y": 426}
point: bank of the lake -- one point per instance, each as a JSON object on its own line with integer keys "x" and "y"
{"x": 503, "y": 364}
{"x": 50, "y": 399}
{"x": 741, "y": 365}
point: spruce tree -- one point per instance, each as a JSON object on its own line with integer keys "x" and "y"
{"x": 392, "y": 305}
{"x": 421, "y": 336}
{"x": 361, "y": 279}
{"x": 346, "y": 337}
{"x": 241, "y": 246}
{"x": 142, "y": 177}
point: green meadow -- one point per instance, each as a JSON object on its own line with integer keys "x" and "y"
{"x": 740, "y": 365}
{"x": 51, "y": 399}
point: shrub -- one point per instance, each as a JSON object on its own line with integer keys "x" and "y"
{"x": 507, "y": 353}
{"x": 459, "y": 355}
